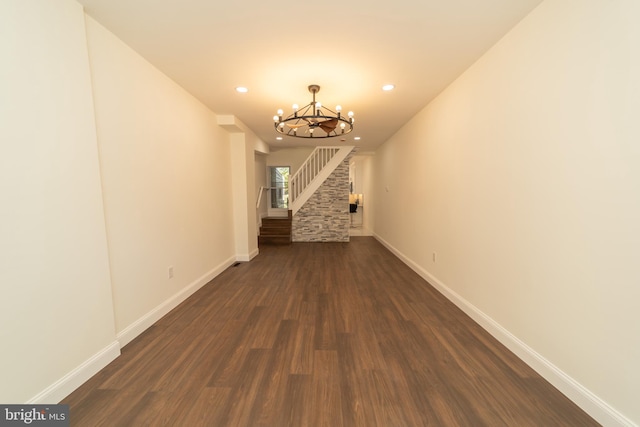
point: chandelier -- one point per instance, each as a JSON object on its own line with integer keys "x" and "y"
{"x": 304, "y": 123}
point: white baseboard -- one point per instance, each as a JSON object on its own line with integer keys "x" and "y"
{"x": 74, "y": 379}
{"x": 359, "y": 231}
{"x": 139, "y": 326}
{"x": 581, "y": 396}
{"x": 78, "y": 376}
{"x": 248, "y": 257}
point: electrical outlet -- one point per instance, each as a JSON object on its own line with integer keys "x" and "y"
{"x": 171, "y": 272}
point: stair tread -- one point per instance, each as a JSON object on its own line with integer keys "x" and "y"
{"x": 275, "y": 232}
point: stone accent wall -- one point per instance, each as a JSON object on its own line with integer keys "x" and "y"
{"x": 325, "y": 216}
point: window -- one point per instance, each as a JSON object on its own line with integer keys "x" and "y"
{"x": 279, "y": 182}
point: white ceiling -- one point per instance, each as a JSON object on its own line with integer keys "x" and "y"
{"x": 350, "y": 48}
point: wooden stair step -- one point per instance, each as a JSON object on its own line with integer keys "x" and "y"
{"x": 275, "y": 227}
{"x": 273, "y": 222}
{"x": 275, "y": 231}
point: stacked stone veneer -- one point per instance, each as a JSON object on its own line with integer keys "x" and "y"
{"x": 325, "y": 216}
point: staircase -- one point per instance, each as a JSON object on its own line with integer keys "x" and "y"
{"x": 318, "y": 166}
{"x": 275, "y": 231}
{"x": 302, "y": 184}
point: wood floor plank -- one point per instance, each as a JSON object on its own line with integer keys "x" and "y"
{"x": 319, "y": 334}
{"x": 302, "y": 358}
{"x": 325, "y": 404}
{"x": 270, "y": 400}
{"x": 207, "y": 409}
{"x": 298, "y": 400}
{"x": 240, "y": 408}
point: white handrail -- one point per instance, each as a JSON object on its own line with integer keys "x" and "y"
{"x": 262, "y": 188}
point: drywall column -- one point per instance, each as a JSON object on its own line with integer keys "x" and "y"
{"x": 239, "y": 196}
{"x": 244, "y": 145}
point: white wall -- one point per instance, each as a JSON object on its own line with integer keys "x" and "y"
{"x": 166, "y": 179}
{"x": 292, "y": 157}
{"x": 111, "y": 175}
{"x": 54, "y": 269}
{"x": 523, "y": 177}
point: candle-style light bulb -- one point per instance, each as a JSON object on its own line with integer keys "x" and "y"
{"x": 280, "y": 112}
{"x": 276, "y": 119}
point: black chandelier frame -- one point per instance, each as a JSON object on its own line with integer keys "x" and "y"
{"x": 302, "y": 123}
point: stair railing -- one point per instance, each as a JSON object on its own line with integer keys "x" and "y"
{"x": 310, "y": 169}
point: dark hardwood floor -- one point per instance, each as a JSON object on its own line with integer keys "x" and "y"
{"x": 319, "y": 334}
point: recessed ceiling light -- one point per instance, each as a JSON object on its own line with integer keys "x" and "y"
{"x": 388, "y": 87}
{"x": 242, "y": 89}
{"x": 279, "y": 138}
{"x": 357, "y": 138}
